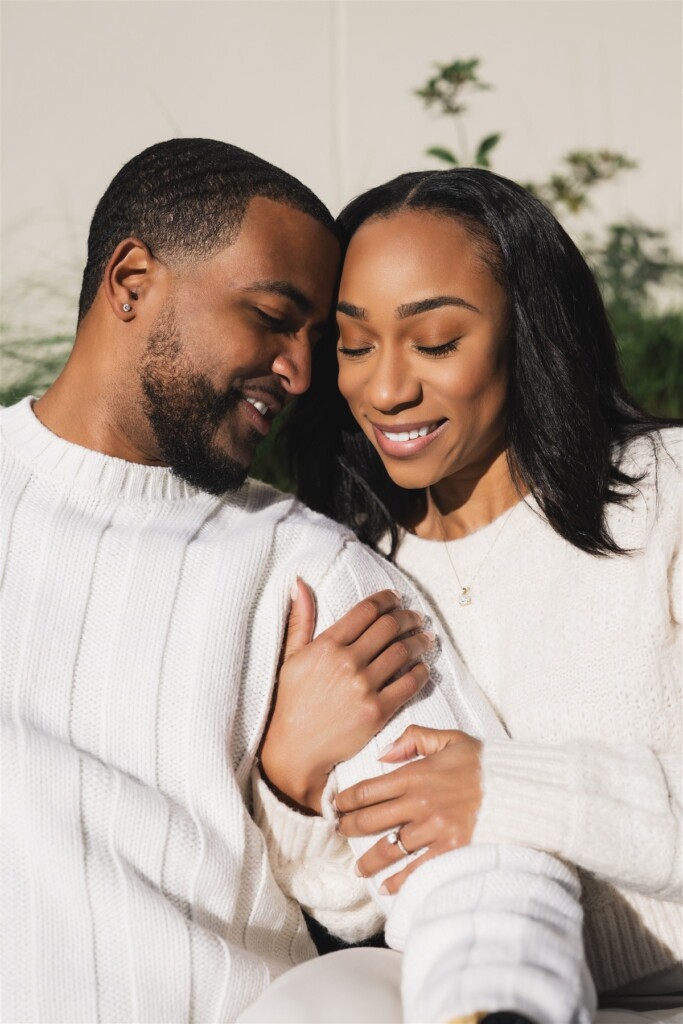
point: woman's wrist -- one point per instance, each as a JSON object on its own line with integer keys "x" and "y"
{"x": 301, "y": 793}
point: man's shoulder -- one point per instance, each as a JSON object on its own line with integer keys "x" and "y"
{"x": 316, "y": 542}
{"x": 295, "y": 519}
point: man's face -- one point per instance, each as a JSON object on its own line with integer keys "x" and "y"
{"x": 233, "y": 342}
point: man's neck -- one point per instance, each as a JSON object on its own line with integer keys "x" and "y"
{"x": 78, "y": 409}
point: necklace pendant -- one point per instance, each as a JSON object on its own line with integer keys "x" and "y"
{"x": 465, "y": 597}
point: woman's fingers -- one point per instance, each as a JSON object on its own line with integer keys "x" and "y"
{"x": 363, "y": 615}
{"x": 382, "y": 633}
{"x": 371, "y": 791}
{"x": 386, "y": 853}
{"x": 301, "y": 621}
{"x": 398, "y": 656}
{"x": 418, "y": 740}
{"x": 391, "y": 885}
{"x": 372, "y": 820}
{"x": 403, "y": 689}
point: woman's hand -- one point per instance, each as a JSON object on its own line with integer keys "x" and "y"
{"x": 433, "y": 801}
{"x": 336, "y": 692}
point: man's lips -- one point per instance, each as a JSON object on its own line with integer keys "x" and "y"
{"x": 260, "y": 409}
{"x": 403, "y": 439}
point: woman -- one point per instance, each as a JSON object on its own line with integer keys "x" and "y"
{"x": 481, "y": 436}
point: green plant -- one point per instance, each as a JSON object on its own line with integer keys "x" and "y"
{"x": 633, "y": 263}
{"x": 29, "y": 365}
{"x": 445, "y": 90}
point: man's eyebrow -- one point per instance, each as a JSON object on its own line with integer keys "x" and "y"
{"x": 287, "y": 290}
{"x": 348, "y": 309}
{"x": 424, "y": 305}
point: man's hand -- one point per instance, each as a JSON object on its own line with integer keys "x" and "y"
{"x": 336, "y": 692}
{"x": 433, "y": 802}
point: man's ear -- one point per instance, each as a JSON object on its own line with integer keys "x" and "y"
{"x": 128, "y": 276}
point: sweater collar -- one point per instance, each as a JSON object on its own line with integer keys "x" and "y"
{"x": 81, "y": 468}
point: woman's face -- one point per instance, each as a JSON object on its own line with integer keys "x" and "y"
{"x": 422, "y": 349}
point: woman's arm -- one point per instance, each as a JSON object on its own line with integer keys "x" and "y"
{"x": 519, "y": 921}
{"x": 332, "y": 695}
{"x": 615, "y": 813}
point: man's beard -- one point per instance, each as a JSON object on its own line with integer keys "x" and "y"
{"x": 184, "y": 411}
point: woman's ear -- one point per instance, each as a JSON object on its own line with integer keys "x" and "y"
{"x": 127, "y": 277}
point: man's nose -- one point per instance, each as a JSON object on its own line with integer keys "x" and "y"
{"x": 292, "y": 364}
{"x": 391, "y": 385}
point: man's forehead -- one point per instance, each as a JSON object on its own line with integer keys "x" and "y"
{"x": 283, "y": 251}
{"x": 279, "y": 220}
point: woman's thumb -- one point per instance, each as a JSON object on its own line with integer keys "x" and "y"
{"x": 301, "y": 621}
{"x": 417, "y": 741}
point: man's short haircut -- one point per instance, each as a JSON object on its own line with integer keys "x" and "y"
{"x": 186, "y": 197}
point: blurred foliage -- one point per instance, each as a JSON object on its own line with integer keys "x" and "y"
{"x": 29, "y": 365}
{"x": 271, "y": 463}
{"x": 582, "y": 170}
{"x": 633, "y": 263}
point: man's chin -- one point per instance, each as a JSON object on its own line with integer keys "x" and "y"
{"x": 215, "y": 475}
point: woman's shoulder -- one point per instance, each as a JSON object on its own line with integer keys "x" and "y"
{"x": 655, "y": 459}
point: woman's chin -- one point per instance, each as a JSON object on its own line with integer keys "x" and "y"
{"x": 411, "y": 478}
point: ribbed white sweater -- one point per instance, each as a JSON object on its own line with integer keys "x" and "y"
{"x": 581, "y": 657}
{"x": 141, "y": 628}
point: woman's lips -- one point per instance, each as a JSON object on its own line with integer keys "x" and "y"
{"x": 395, "y": 440}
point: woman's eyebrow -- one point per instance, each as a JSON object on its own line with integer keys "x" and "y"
{"x": 348, "y": 309}
{"x": 424, "y": 305}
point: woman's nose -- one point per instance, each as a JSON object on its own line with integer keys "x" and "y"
{"x": 392, "y": 386}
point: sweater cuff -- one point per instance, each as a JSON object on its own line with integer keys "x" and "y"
{"x": 290, "y": 835}
{"x": 528, "y": 796}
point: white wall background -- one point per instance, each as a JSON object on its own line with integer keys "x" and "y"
{"x": 323, "y": 88}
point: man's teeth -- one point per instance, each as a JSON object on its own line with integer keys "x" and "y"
{"x": 407, "y": 435}
{"x": 259, "y": 406}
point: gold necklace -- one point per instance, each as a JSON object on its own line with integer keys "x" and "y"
{"x": 465, "y": 596}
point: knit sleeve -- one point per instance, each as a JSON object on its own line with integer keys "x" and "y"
{"x": 313, "y": 865}
{"x": 613, "y": 812}
{"x": 540, "y": 970}
{"x": 310, "y": 861}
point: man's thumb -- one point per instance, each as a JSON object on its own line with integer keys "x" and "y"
{"x": 301, "y": 621}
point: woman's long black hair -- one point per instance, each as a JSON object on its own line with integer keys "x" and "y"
{"x": 568, "y": 413}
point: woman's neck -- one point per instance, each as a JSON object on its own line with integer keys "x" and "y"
{"x": 460, "y": 504}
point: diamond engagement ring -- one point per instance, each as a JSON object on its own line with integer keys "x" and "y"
{"x": 394, "y": 838}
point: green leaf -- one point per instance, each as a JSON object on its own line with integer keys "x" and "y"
{"x": 443, "y": 154}
{"x": 485, "y": 146}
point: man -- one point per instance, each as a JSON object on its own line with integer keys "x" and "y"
{"x": 145, "y": 590}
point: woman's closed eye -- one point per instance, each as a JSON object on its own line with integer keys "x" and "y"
{"x": 439, "y": 350}
{"x": 360, "y": 350}
{"x": 433, "y": 351}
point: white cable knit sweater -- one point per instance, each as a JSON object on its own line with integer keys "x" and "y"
{"x": 581, "y": 657}
{"x": 141, "y": 628}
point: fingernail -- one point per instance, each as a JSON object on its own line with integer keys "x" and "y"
{"x": 383, "y": 889}
{"x": 431, "y": 635}
{"x": 386, "y": 750}
{"x": 357, "y": 871}
{"x": 294, "y": 592}
{"x": 396, "y": 594}
{"x": 334, "y": 803}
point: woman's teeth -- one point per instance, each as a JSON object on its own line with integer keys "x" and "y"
{"x": 259, "y": 406}
{"x": 408, "y": 435}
